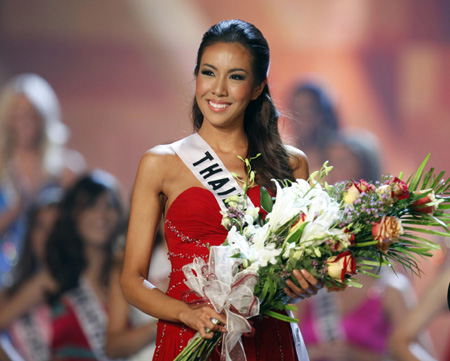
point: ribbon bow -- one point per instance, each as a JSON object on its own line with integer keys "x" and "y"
{"x": 227, "y": 289}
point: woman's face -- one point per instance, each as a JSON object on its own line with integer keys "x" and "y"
{"x": 225, "y": 84}
{"x": 97, "y": 222}
{"x": 25, "y": 122}
{"x": 42, "y": 227}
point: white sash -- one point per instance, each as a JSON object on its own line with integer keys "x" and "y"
{"x": 31, "y": 335}
{"x": 204, "y": 163}
{"x": 91, "y": 316}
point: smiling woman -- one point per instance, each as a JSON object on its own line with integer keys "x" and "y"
{"x": 226, "y": 85}
{"x": 187, "y": 181}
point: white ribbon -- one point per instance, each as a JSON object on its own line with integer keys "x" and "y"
{"x": 228, "y": 290}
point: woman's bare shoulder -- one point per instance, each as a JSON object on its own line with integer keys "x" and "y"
{"x": 298, "y": 162}
{"x": 158, "y": 156}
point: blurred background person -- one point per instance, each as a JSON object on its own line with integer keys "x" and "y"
{"x": 131, "y": 333}
{"x": 75, "y": 280}
{"x": 432, "y": 304}
{"x": 354, "y": 155}
{"x": 29, "y": 335}
{"x": 315, "y": 119}
{"x": 32, "y": 156}
{"x": 355, "y": 325}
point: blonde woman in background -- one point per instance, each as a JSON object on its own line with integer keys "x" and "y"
{"x": 32, "y": 156}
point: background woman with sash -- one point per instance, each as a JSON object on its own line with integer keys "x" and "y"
{"x": 29, "y": 335}
{"x": 233, "y": 116}
{"x": 78, "y": 263}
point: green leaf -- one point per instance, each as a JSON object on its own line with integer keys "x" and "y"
{"x": 427, "y": 178}
{"x": 294, "y": 236}
{"x": 438, "y": 179}
{"x": 418, "y": 175}
{"x": 428, "y": 231}
{"x": 366, "y": 244}
{"x": 266, "y": 200}
{"x": 280, "y": 316}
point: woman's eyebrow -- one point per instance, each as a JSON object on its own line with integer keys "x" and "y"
{"x": 231, "y": 70}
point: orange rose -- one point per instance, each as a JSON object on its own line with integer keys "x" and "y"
{"x": 420, "y": 204}
{"x": 386, "y": 232}
{"x": 339, "y": 266}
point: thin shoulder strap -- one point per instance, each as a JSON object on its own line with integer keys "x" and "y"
{"x": 204, "y": 163}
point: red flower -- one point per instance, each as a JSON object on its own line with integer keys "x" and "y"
{"x": 400, "y": 189}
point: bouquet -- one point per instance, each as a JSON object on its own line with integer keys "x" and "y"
{"x": 335, "y": 232}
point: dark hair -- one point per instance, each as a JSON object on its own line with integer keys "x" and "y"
{"x": 28, "y": 263}
{"x": 65, "y": 248}
{"x": 261, "y": 115}
{"x": 328, "y": 120}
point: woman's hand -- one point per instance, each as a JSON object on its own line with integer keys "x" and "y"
{"x": 202, "y": 319}
{"x": 309, "y": 285}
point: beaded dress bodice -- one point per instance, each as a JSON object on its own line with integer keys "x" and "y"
{"x": 193, "y": 221}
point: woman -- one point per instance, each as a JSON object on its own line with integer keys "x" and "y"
{"x": 233, "y": 115}
{"x": 79, "y": 258}
{"x": 315, "y": 118}
{"x": 78, "y": 264}
{"x": 30, "y": 334}
{"x": 32, "y": 156}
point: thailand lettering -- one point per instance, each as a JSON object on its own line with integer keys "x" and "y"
{"x": 210, "y": 170}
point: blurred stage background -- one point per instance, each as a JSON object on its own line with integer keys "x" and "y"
{"x": 123, "y": 71}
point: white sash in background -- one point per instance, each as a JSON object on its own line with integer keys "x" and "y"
{"x": 31, "y": 334}
{"x": 204, "y": 163}
{"x": 91, "y": 316}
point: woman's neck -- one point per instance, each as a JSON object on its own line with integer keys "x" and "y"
{"x": 96, "y": 257}
{"x": 225, "y": 140}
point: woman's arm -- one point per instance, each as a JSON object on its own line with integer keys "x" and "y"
{"x": 32, "y": 293}
{"x": 432, "y": 303}
{"x": 146, "y": 208}
{"x": 121, "y": 340}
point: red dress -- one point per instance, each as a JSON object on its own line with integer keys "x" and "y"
{"x": 69, "y": 341}
{"x": 192, "y": 222}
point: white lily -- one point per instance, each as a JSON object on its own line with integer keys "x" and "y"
{"x": 260, "y": 236}
{"x": 288, "y": 204}
{"x": 251, "y": 215}
{"x": 322, "y": 214}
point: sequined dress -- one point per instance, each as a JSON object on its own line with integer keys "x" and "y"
{"x": 192, "y": 222}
